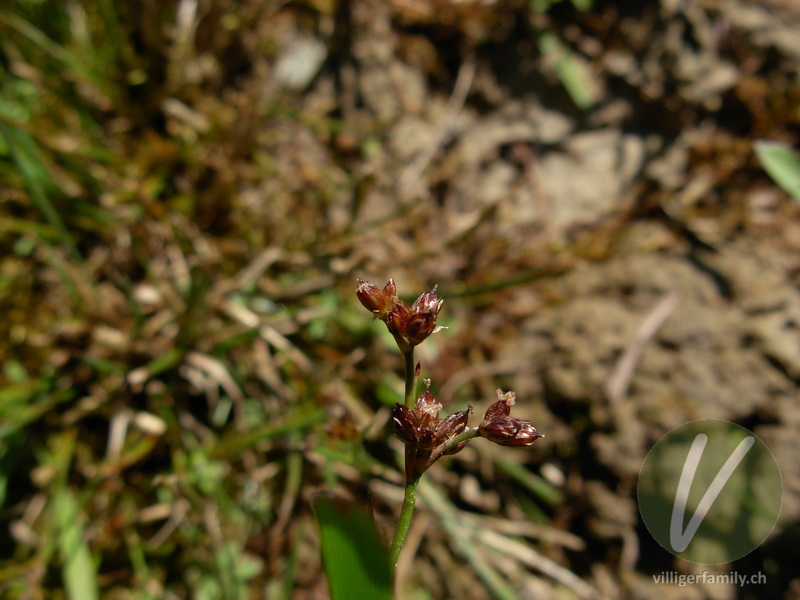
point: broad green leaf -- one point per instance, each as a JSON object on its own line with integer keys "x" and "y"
{"x": 355, "y": 560}
{"x": 782, "y": 164}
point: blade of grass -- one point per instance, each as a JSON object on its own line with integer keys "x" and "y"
{"x": 30, "y": 164}
{"x": 782, "y": 164}
{"x": 355, "y": 560}
{"x": 233, "y": 444}
{"x": 139, "y": 564}
{"x": 78, "y": 570}
{"x": 69, "y": 540}
{"x": 463, "y": 535}
{"x": 77, "y": 64}
{"x": 575, "y": 79}
{"x": 538, "y": 486}
{"x": 292, "y": 562}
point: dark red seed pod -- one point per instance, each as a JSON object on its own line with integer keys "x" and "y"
{"x": 371, "y": 297}
{"x": 497, "y": 409}
{"x": 419, "y": 327}
{"x": 452, "y": 426}
{"x": 508, "y": 431}
{"x": 405, "y": 424}
{"x": 526, "y": 435}
{"x": 390, "y": 291}
{"x": 427, "y": 409}
{"x": 397, "y": 318}
{"x": 501, "y": 408}
{"x": 428, "y": 303}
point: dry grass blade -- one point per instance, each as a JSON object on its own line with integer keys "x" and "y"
{"x": 617, "y": 385}
{"x": 527, "y": 555}
{"x": 413, "y": 172}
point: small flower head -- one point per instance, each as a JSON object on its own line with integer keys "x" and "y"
{"x": 452, "y": 426}
{"x": 409, "y": 325}
{"x": 427, "y": 437}
{"x": 428, "y": 303}
{"x": 508, "y": 431}
{"x": 427, "y": 406}
{"x": 378, "y": 302}
{"x": 499, "y": 427}
{"x": 424, "y": 312}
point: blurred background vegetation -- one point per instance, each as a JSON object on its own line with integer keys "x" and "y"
{"x": 189, "y": 189}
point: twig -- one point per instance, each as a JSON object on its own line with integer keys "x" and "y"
{"x": 620, "y": 379}
{"x": 411, "y": 176}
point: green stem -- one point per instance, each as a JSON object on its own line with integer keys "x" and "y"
{"x": 461, "y": 437}
{"x": 437, "y": 453}
{"x": 412, "y": 479}
{"x": 411, "y": 379}
{"x": 404, "y": 522}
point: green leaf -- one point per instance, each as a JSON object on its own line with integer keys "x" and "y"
{"x": 356, "y": 561}
{"x": 573, "y": 74}
{"x": 78, "y": 570}
{"x": 232, "y": 444}
{"x": 782, "y": 164}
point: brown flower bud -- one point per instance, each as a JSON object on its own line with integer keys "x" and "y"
{"x": 501, "y": 408}
{"x": 409, "y": 325}
{"x": 419, "y": 327}
{"x": 378, "y": 302}
{"x": 451, "y": 426}
{"x": 370, "y": 296}
{"x": 508, "y": 431}
{"x": 427, "y": 408}
{"x": 428, "y": 303}
{"x": 499, "y": 427}
{"x": 390, "y": 291}
{"x": 405, "y": 424}
{"x": 397, "y": 318}
{"x": 424, "y": 312}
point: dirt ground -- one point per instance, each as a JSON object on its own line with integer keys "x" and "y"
{"x": 641, "y": 225}
{"x": 581, "y": 185}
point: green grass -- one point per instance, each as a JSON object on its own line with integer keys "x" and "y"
{"x": 172, "y": 395}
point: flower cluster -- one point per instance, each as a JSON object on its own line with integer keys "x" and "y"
{"x": 409, "y": 325}
{"x": 426, "y": 436}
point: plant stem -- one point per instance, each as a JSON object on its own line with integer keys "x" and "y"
{"x": 461, "y": 437}
{"x": 404, "y": 522}
{"x": 412, "y": 479}
{"x": 411, "y": 378}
